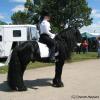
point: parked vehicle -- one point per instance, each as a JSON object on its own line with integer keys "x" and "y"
{"x": 12, "y": 35}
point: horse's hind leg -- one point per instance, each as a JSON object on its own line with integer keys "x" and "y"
{"x": 15, "y": 75}
{"x": 22, "y": 74}
{"x": 20, "y": 83}
{"x": 15, "y": 79}
{"x": 57, "y": 82}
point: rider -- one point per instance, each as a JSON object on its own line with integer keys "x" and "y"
{"x": 45, "y": 35}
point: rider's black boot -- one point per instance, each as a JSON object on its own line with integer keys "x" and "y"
{"x": 52, "y": 55}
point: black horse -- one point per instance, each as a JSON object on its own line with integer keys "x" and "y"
{"x": 29, "y": 51}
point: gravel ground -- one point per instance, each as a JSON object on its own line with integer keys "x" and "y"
{"x": 81, "y": 82}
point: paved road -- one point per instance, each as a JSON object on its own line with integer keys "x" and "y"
{"x": 81, "y": 80}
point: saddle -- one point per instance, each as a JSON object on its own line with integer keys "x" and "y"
{"x": 44, "y": 50}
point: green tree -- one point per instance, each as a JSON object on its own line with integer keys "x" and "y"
{"x": 32, "y": 10}
{"x": 29, "y": 16}
{"x": 2, "y": 23}
{"x": 74, "y": 13}
{"x": 19, "y": 18}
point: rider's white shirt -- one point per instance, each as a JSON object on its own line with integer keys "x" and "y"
{"x": 45, "y": 28}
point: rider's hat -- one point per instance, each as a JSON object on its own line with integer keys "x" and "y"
{"x": 45, "y": 13}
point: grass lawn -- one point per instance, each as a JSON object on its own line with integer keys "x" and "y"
{"x": 81, "y": 57}
{"x": 75, "y": 58}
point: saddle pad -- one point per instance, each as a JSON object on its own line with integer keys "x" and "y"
{"x": 44, "y": 50}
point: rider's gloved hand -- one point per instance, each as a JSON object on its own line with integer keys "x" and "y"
{"x": 53, "y": 36}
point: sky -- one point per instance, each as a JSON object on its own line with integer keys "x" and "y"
{"x": 8, "y": 7}
{"x": 95, "y": 26}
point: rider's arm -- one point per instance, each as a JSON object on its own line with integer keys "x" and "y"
{"x": 47, "y": 29}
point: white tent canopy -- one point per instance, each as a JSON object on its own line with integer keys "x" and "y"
{"x": 92, "y": 29}
{"x": 95, "y": 34}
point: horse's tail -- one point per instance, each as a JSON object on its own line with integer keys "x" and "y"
{"x": 8, "y": 59}
{"x": 13, "y": 68}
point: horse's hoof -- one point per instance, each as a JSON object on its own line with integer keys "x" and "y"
{"x": 24, "y": 88}
{"x": 57, "y": 84}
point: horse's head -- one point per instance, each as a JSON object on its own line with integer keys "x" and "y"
{"x": 67, "y": 40}
{"x": 69, "y": 34}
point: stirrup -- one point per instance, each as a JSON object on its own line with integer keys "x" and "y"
{"x": 52, "y": 59}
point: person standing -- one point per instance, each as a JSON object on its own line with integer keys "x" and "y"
{"x": 78, "y": 48}
{"x": 98, "y": 47}
{"x": 85, "y": 46}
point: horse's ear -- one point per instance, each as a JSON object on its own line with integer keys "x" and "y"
{"x": 66, "y": 26}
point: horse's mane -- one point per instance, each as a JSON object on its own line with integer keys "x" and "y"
{"x": 66, "y": 40}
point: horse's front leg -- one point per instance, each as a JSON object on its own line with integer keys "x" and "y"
{"x": 57, "y": 82}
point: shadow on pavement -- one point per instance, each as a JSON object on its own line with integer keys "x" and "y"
{"x": 33, "y": 84}
{"x": 4, "y": 87}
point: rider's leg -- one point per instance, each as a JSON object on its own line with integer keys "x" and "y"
{"x": 50, "y": 43}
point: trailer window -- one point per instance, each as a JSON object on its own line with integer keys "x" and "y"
{"x": 16, "y": 33}
{"x": 35, "y": 34}
{"x": 0, "y": 38}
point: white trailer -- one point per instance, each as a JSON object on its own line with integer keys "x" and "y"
{"x": 12, "y": 35}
